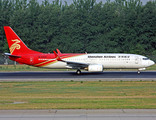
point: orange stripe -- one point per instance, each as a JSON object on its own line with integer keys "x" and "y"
{"x": 44, "y": 63}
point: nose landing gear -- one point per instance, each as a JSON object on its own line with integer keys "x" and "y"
{"x": 78, "y": 72}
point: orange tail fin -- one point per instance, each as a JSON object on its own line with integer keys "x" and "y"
{"x": 16, "y": 45}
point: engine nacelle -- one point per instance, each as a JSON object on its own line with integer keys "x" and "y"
{"x": 95, "y": 68}
{"x": 142, "y": 69}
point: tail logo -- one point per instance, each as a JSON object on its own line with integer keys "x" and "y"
{"x": 15, "y": 45}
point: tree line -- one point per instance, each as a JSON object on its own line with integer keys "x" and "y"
{"x": 122, "y": 26}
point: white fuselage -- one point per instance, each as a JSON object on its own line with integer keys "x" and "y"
{"x": 112, "y": 60}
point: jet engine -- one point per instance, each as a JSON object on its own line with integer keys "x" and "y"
{"x": 95, "y": 68}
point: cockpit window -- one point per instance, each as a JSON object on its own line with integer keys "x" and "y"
{"x": 145, "y": 58}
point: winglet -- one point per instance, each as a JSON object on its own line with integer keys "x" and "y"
{"x": 58, "y": 51}
{"x": 56, "y": 56}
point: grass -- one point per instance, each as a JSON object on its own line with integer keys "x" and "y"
{"x": 79, "y": 95}
{"x": 7, "y": 68}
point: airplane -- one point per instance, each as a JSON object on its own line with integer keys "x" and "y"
{"x": 92, "y": 62}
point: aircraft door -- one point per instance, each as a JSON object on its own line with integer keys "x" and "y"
{"x": 136, "y": 59}
{"x": 31, "y": 59}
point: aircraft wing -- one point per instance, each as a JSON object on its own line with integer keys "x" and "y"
{"x": 71, "y": 64}
{"x": 76, "y": 65}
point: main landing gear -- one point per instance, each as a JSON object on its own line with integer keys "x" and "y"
{"x": 141, "y": 69}
{"x": 78, "y": 72}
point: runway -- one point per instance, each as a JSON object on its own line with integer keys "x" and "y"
{"x": 71, "y": 75}
{"x": 79, "y": 114}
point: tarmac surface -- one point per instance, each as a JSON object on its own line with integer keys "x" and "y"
{"x": 71, "y": 75}
{"x": 79, "y": 114}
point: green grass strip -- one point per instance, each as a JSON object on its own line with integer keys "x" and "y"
{"x": 79, "y": 95}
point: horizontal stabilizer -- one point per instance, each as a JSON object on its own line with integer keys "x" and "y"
{"x": 8, "y": 54}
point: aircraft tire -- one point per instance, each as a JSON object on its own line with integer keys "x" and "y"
{"x": 78, "y": 72}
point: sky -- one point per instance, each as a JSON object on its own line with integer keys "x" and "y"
{"x": 97, "y": 1}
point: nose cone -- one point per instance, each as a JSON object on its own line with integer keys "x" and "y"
{"x": 151, "y": 62}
